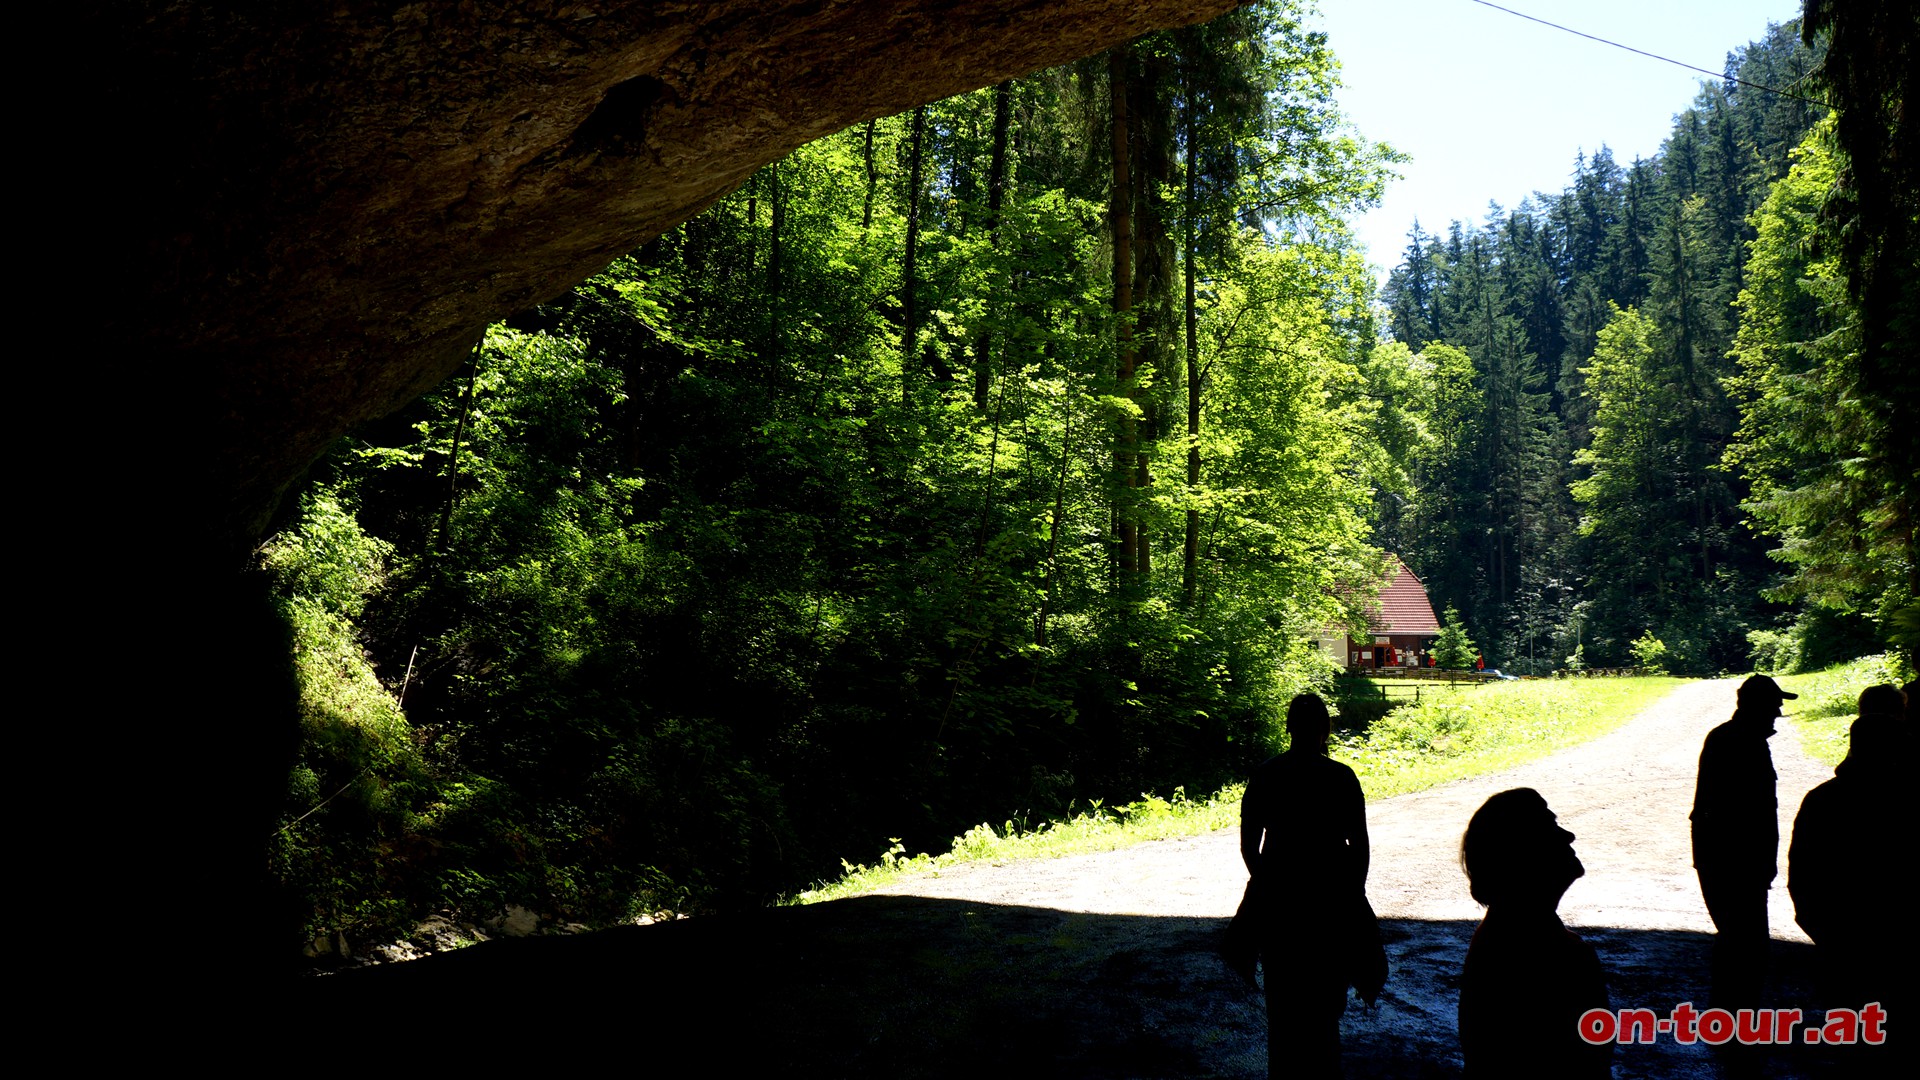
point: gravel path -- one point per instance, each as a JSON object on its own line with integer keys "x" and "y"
{"x": 1625, "y": 796}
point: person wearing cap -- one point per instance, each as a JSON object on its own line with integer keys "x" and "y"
{"x": 1736, "y": 840}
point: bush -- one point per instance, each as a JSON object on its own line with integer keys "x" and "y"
{"x": 1820, "y": 638}
{"x": 358, "y": 787}
{"x": 1828, "y": 697}
{"x": 1776, "y": 652}
{"x": 325, "y": 558}
{"x": 1649, "y": 654}
{"x": 1453, "y": 649}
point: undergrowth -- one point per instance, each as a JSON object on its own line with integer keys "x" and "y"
{"x": 1462, "y": 732}
{"x": 1826, "y": 707}
{"x": 1479, "y": 729}
{"x": 1099, "y": 828}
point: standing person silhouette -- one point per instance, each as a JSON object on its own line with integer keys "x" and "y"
{"x": 1848, "y": 866}
{"x": 1736, "y": 840}
{"x": 1303, "y": 834}
{"x": 1527, "y": 979}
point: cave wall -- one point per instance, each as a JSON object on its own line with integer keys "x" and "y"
{"x": 266, "y": 223}
{"x": 323, "y": 210}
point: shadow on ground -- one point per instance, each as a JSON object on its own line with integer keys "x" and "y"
{"x": 889, "y": 986}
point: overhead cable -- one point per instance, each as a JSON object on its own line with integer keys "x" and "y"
{"x": 1657, "y": 56}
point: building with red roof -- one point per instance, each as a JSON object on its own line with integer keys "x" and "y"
{"x": 1400, "y": 626}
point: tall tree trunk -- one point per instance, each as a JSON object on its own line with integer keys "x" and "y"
{"x": 1050, "y": 584}
{"x": 453, "y": 451}
{"x": 1496, "y": 445}
{"x": 996, "y": 196}
{"x": 1120, "y": 214}
{"x": 777, "y": 197}
{"x": 910, "y": 332}
{"x": 1151, "y": 132}
{"x": 1190, "y": 553}
{"x": 873, "y": 179}
{"x": 753, "y": 224}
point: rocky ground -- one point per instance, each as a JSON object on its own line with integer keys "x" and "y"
{"x": 1106, "y": 965}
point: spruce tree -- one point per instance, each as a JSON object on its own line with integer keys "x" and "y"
{"x": 1453, "y": 649}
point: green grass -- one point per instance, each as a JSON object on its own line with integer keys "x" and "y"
{"x": 1456, "y": 733}
{"x": 1472, "y": 730}
{"x": 1100, "y": 828}
{"x": 1826, "y": 707}
{"x": 1464, "y": 681}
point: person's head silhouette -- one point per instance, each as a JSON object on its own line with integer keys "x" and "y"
{"x": 1515, "y": 852}
{"x": 1308, "y": 723}
{"x": 1884, "y": 698}
{"x": 1760, "y": 698}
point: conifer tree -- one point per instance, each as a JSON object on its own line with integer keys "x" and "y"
{"x": 1453, "y": 649}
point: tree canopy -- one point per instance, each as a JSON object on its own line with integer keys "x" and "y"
{"x": 1669, "y": 422}
{"x": 1012, "y": 452}
{"x": 963, "y": 465}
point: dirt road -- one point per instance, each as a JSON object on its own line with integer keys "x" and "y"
{"x": 1625, "y": 796}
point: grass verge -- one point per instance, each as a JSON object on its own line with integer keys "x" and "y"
{"x": 1480, "y": 729}
{"x": 1827, "y": 699}
{"x": 1454, "y": 734}
{"x": 1100, "y": 828}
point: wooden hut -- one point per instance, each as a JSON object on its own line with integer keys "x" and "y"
{"x": 1400, "y": 627}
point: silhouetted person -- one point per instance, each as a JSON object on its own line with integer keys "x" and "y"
{"x": 1853, "y": 842}
{"x": 1736, "y": 840}
{"x": 1303, "y": 834}
{"x": 1885, "y": 699}
{"x": 1527, "y": 979}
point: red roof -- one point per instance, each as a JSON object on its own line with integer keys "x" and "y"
{"x": 1404, "y": 607}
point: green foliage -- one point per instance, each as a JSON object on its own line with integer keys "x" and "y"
{"x": 1807, "y": 432}
{"x": 1462, "y": 731}
{"x": 1467, "y": 730}
{"x": 1871, "y": 216}
{"x": 1636, "y": 427}
{"x": 1649, "y": 653}
{"x": 710, "y": 577}
{"x": 1640, "y": 500}
{"x": 1819, "y": 638}
{"x": 706, "y": 574}
{"x": 1578, "y": 491}
{"x": 327, "y": 560}
{"x": 1453, "y": 649}
{"x": 1098, "y": 828}
{"x": 358, "y": 787}
{"x": 1829, "y": 698}
{"x": 1774, "y": 651}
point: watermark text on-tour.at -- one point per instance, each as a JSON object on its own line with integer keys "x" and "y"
{"x": 1867, "y": 1024}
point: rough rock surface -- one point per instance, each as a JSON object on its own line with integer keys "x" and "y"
{"x": 315, "y": 210}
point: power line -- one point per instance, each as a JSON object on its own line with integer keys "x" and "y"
{"x": 1656, "y": 56}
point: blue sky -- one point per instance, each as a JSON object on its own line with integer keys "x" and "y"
{"x": 1495, "y": 107}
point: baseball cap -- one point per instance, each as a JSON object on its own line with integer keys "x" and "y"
{"x": 1759, "y": 688}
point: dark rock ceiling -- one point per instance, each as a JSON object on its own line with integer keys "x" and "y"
{"x": 315, "y": 210}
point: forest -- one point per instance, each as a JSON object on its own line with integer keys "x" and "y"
{"x": 1006, "y": 455}
{"x": 1660, "y": 428}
